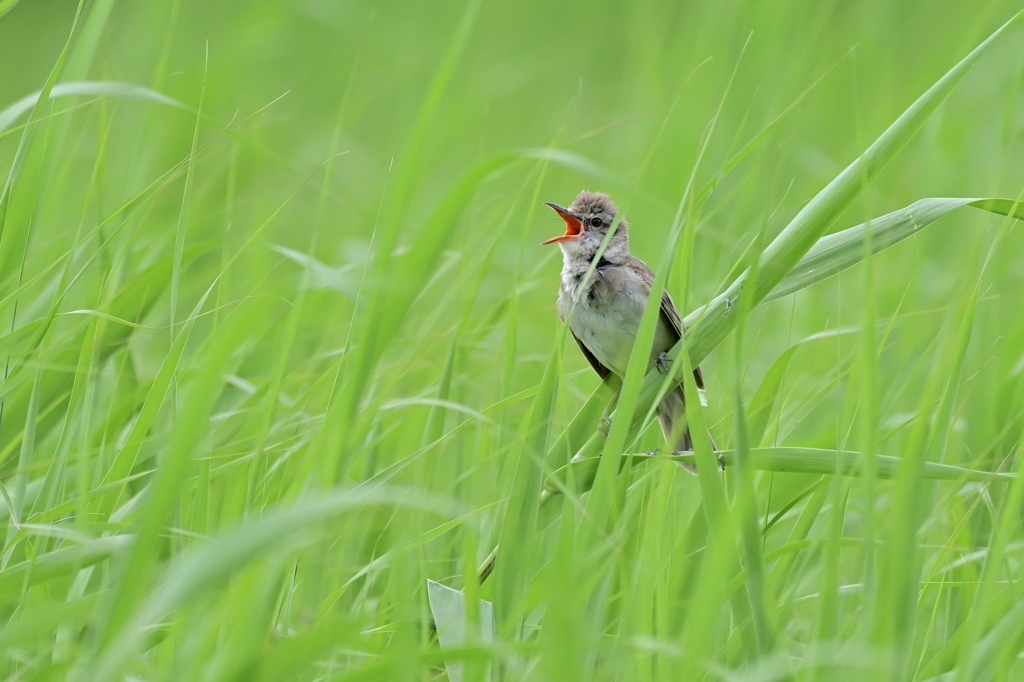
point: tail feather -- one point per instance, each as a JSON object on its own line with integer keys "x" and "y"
{"x": 671, "y": 411}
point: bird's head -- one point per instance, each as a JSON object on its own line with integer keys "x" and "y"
{"x": 587, "y": 222}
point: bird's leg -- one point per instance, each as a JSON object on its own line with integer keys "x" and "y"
{"x": 662, "y": 362}
{"x": 604, "y": 424}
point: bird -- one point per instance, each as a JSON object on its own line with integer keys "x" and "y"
{"x": 606, "y": 308}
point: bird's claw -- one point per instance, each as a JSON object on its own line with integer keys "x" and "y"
{"x": 721, "y": 461}
{"x": 662, "y": 362}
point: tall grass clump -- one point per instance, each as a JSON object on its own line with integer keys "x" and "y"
{"x": 284, "y": 395}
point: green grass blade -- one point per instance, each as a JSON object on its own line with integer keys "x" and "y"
{"x": 837, "y": 252}
{"x": 12, "y": 112}
{"x": 794, "y": 460}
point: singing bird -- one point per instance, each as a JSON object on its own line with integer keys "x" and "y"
{"x": 607, "y": 307}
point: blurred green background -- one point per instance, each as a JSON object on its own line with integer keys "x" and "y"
{"x": 228, "y": 317}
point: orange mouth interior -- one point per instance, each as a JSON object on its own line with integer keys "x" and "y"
{"x": 573, "y": 225}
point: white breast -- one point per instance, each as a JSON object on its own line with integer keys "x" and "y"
{"x": 607, "y": 317}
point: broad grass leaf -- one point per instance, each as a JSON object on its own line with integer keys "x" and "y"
{"x": 837, "y": 252}
{"x": 448, "y": 609}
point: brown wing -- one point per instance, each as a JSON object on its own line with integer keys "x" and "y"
{"x": 601, "y": 370}
{"x": 670, "y": 314}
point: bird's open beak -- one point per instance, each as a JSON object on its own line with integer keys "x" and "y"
{"x": 573, "y": 225}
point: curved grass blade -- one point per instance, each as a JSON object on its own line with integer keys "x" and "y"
{"x": 57, "y": 563}
{"x": 836, "y": 252}
{"x": 10, "y": 114}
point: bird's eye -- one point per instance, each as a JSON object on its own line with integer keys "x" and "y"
{"x": 596, "y": 222}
